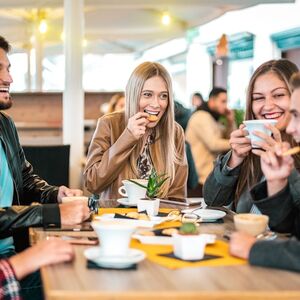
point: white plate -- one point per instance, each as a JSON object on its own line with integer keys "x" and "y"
{"x": 168, "y": 240}
{"x": 139, "y": 223}
{"x": 207, "y": 214}
{"x": 124, "y": 201}
{"x": 154, "y": 240}
{"x": 119, "y": 262}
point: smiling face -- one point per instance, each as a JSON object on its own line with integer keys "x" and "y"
{"x": 154, "y": 99}
{"x": 293, "y": 127}
{"x": 5, "y": 81}
{"x": 271, "y": 99}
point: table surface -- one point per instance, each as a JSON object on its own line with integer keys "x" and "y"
{"x": 152, "y": 281}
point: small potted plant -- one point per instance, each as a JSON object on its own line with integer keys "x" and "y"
{"x": 188, "y": 243}
{"x": 150, "y": 204}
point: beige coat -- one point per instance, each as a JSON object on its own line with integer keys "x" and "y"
{"x": 108, "y": 158}
{"x": 206, "y": 137}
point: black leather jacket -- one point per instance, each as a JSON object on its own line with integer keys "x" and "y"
{"x": 28, "y": 188}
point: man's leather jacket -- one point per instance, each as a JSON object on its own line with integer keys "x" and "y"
{"x": 28, "y": 188}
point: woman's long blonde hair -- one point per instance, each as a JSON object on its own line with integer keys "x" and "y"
{"x": 165, "y": 155}
{"x": 250, "y": 169}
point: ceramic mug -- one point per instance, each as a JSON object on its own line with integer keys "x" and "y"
{"x": 258, "y": 125}
{"x": 133, "y": 191}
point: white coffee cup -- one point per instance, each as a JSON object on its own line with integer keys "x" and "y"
{"x": 133, "y": 191}
{"x": 114, "y": 236}
{"x": 73, "y": 198}
{"x": 258, "y": 125}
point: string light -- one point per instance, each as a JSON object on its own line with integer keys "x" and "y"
{"x": 43, "y": 27}
{"x": 84, "y": 43}
{"x": 166, "y": 19}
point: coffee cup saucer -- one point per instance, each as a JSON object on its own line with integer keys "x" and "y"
{"x": 124, "y": 201}
{"x": 117, "y": 262}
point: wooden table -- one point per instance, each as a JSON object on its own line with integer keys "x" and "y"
{"x": 152, "y": 281}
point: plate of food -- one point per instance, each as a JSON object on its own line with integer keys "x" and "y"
{"x": 206, "y": 215}
{"x": 138, "y": 219}
{"x": 156, "y": 237}
{"x": 165, "y": 236}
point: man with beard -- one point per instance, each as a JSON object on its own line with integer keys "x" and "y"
{"x": 207, "y": 136}
{"x": 19, "y": 187}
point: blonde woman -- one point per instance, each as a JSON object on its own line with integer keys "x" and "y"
{"x": 268, "y": 97}
{"x": 129, "y": 144}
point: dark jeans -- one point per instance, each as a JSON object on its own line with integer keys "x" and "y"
{"x": 31, "y": 285}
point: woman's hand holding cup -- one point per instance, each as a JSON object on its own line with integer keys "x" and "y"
{"x": 137, "y": 124}
{"x": 240, "y": 145}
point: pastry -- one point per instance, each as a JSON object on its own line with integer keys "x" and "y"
{"x": 169, "y": 231}
{"x": 152, "y": 118}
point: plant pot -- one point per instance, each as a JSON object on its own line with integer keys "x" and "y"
{"x": 151, "y": 206}
{"x": 189, "y": 247}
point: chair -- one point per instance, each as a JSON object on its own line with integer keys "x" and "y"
{"x": 50, "y": 162}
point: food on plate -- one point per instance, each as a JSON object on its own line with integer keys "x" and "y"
{"x": 169, "y": 231}
{"x": 147, "y": 233}
{"x": 138, "y": 216}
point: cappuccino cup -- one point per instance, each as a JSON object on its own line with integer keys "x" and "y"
{"x": 258, "y": 125}
{"x": 114, "y": 236}
{"x": 133, "y": 191}
{"x": 252, "y": 224}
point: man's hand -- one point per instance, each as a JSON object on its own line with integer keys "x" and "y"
{"x": 75, "y": 212}
{"x": 43, "y": 253}
{"x": 241, "y": 244}
{"x": 64, "y": 191}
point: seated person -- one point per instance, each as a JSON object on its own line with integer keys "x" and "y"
{"x": 130, "y": 144}
{"x": 20, "y": 186}
{"x": 268, "y": 97}
{"x": 207, "y": 136}
{"x": 116, "y": 102}
{"x": 17, "y": 267}
{"x": 276, "y": 196}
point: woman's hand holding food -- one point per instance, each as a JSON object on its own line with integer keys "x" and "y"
{"x": 276, "y": 167}
{"x": 137, "y": 124}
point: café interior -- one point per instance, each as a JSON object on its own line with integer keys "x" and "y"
{"x": 68, "y": 59}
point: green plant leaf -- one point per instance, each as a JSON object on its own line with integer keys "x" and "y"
{"x": 137, "y": 183}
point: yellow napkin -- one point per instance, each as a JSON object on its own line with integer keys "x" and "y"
{"x": 219, "y": 248}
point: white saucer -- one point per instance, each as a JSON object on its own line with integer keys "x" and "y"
{"x": 125, "y": 202}
{"x": 207, "y": 214}
{"x": 118, "y": 262}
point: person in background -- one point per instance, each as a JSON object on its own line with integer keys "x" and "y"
{"x": 197, "y": 101}
{"x": 268, "y": 97}
{"x": 116, "y": 102}
{"x": 182, "y": 116}
{"x": 130, "y": 144}
{"x": 207, "y": 136}
{"x": 19, "y": 266}
{"x": 277, "y": 196}
{"x": 20, "y": 186}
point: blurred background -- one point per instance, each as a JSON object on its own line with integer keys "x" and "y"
{"x": 69, "y": 57}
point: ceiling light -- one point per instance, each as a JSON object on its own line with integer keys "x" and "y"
{"x": 166, "y": 19}
{"x": 43, "y": 26}
{"x": 62, "y": 36}
{"x": 84, "y": 43}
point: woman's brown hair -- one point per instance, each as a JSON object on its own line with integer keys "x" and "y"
{"x": 250, "y": 168}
